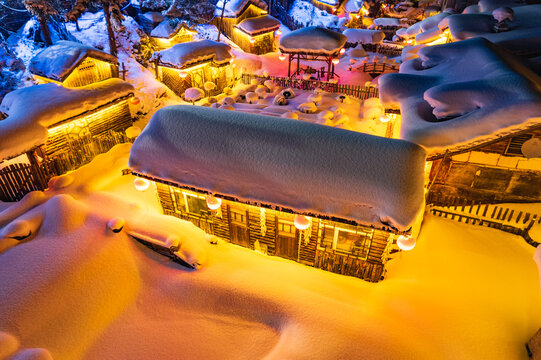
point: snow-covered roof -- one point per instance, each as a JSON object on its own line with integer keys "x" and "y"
{"x": 259, "y": 25}
{"x": 364, "y": 36}
{"x": 353, "y": 6}
{"x": 59, "y": 60}
{"x": 314, "y": 40}
{"x": 33, "y": 109}
{"x": 192, "y": 52}
{"x": 329, "y": 2}
{"x": 386, "y": 22}
{"x": 154, "y": 16}
{"x": 523, "y": 37}
{"x": 462, "y": 94}
{"x": 168, "y": 28}
{"x": 295, "y": 165}
{"x": 234, "y": 8}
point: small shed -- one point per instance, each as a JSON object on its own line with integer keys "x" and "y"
{"x": 50, "y": 129}
{"x": 235, "y": 11}
{"x": 73, "y": 64}
{"x": 256, "y": 35}
{"x": 312, "y": 44}
{"x": 171, "y": 32}
{"x": 194, "y": 63}
{"x": 250, "y": 179}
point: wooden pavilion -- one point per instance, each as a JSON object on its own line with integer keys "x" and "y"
{"x": 312, "y": 44}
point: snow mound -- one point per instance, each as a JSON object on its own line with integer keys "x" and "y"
{"x": 234, "y": 8}
{"x": 28, "y": 119}
{"x": 188, "y": 53}
{"x": 364, "y": 36}
{"x": 313, "y": 40}
{"x": 461, "y": 93}
{"x": 295, "y": 165}
{"x": 58, "y": 61}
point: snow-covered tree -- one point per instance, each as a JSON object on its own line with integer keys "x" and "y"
{"x": 112, "y": 11}
{"x": 196, "y": 11}
{"x": 43, "y": 10}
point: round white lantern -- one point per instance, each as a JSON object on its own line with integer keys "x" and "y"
{"x": 405, "y": 243}
{"x": 302, "y": 222}
{"x": 213, "y": 203}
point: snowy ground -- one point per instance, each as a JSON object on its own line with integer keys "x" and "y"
{"x": 463, "y": 293}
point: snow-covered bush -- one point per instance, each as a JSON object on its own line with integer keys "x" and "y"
{"x": 228, "y": 101}
{"x": 288, "y": 93}
{"x": 193, "y": 94}
{"x": 307, "y": 108}
{"x": 252, "y": 97}
{"x": 315, "y": 98}
{"x": 280, "y": 100}
{"x": 269, "y": 84}
{"x": 209, "y": 86}
{"x": 261, "y": 91}
{"x": 227, "y": 90}
{"x": 212, "y": 100}
{"x": 133, "y": 132}
{"x": 325, "y": 115}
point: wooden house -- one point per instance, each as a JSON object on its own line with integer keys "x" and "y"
{"x": 256, "y": 35}
{"x": 72, "y": 64}
{"x": 50, "y": 129}
{"x": 194, "y": 63}
{"x": 477, "y": 111}
{"x": 171, "y": 32}
{"x": 284, "y": 187}
{"x": 236, "y": 11}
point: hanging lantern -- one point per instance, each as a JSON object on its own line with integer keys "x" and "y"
{"x": 384, "y": 118}
{"x": 278, "y": 33}
{"x": 135, "y": 100}
{"x": 334, "y": 9}
{"x": 342, "y": 50}
{"x": 252, "y": 40}
{"x": 282, "y": 57}
{"x": 141, "y": 184}
{"x": 213, "y": 203}
{"x": 405, "y": 242}
{"x": 302, "y": 222}
{"x": 335, "y": 61}
{"x": 183, "y": 74}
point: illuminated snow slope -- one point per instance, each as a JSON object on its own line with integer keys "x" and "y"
{"x": 80, "y": 291}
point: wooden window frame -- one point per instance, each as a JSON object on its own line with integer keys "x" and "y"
{"x": 336, "y": 229}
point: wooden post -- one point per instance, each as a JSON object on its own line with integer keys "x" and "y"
{"x": 36, "y": 170}
{"x": 289, "y": 65}
{"x": 298, "y": 72}
{"x": 156, "y": 67}
{"x": 329, "y": 60}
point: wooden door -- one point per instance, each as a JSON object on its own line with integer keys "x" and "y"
{"x": 238, "y": 226}
{"x": 287, "y": 240}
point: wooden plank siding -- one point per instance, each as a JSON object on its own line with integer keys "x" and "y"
{"x": 228, "y": 27}
{"x": 264, "y": 43}
{"x": 222, "y": 76}
{"x": 368, "y": 267}
{"x": 90, "y": 71}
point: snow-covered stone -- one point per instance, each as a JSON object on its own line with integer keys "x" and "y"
{"x": 59, "y": 60}
{"x": 305, "y": 167}
{"x": 33, "y": 109}
{"x": 189, "y": 53}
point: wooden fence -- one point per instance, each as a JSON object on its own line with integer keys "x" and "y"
{"x": 348, "y": 265}
{"x": 16, "y": 180}
{"x": 356, "y": 91}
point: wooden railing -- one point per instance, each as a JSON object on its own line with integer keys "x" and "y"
{"x": 356, "y": 91}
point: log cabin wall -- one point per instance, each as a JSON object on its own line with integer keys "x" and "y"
{"x": 493, "y": 173}
{"x": 222, "y": 76}
{"x": 264, "y": 43}
{"x": 90, "y": 71}
{"x": 272, "y": 232}
{"x": 228, "y": 25}
{"x": 183, "y": 35}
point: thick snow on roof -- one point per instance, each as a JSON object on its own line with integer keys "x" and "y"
{"x": 168, "y": 28}
{"x": 259, "y": 24}
{"x": 524, "y": 35}
{"x": 234, "y": 8}
{"x": 154, "y": 16}
{"x": 386, "y": 22}
{"x": 353, "y": 6}
{"x": 188, "y": 53}
{"x": 296, "y": 165}
{"x": 316, "y": 40}
{"x": 364, "y": 36}
{"x": 33, "y": 109}
{"x": 427, "y": 24}
{"x": 462, "y": 93}
{"x": 58, "y": 61}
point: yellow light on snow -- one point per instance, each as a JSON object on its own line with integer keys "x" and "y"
{"x": 213, "y": 203}
{"x": 384, "y": 119}
{"x": 141, "y": 184}
{"x": 302, "y": 222}
{"x": 405, "y": 243}
{"x": 282, "y": 57}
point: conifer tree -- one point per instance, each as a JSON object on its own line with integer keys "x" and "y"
{"x": 43, "y": 10}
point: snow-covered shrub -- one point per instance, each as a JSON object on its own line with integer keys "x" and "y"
{"x": 269, "y": 84}
{"x": 307, "y": 108}
{"x": 193, "y": 94}
{"x": 227, "y": 90}
{"x": 288, "y": 93}
{"x": 228, "y": 101}
{"x": 255, "y": 82}
{"x": 133, "y": 132}
{"x": 209, "y": 86}
{"x": 252, "y": 97}
{"x": 325, "y": 115}
{"x": 226, "y": 107}
{"x": 343, "y": 98}
{"x": 242, "y": 94}
{"x": 290, "y": 115}
{"x": 212, "y": 100}
{"x": 261, "y": 91}
{"x": 279, "y": 100}
{"x": 315, "y": 98}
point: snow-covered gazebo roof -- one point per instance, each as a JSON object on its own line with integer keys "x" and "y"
{"x": 459, "y": 95}
{"x": 312, "y": 40}
{"x": 58, "y": 61}
{"x": 33, "y": 109}
{"x": 169, "y": 28}
{"x": 193, "y": 52}
{"x": 234, "y": 8}
{"x": 293, "y": 165}
{"x": 259, "y": 25}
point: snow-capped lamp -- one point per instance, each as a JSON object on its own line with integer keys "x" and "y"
{"x": 384, "y": 119}
{"x": 282, "y": 57}
{"x": 405, "y": 243}
{"x": 135, "y": 100}
{"x": 278, "y": 32}
{"x": 342, "y": 51}
{"x": 183, "y": 74}
{"x": 335, "y": 61}
{"x": 252, "y": 40}
{"x": 302, "y": 222}
{"x": 141, "y": 184}
{"x": 213, "y": 203}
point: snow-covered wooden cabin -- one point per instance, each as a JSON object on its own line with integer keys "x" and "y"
{"x": 476, "y": 109}
{"x": 73, "y": 64}
{"x": 247, "y": 24}
{"x": 194, "y": 63}
{"x": 325, "y": 197}
{"x": 50, "y": 129}
{"x": 170, "y": 32}
{"x": 312, "y": 44}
